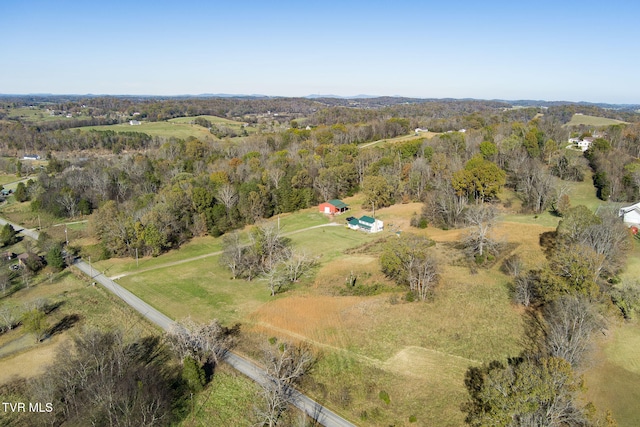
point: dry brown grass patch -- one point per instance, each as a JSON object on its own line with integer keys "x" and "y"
{"x": 315, "y": 318}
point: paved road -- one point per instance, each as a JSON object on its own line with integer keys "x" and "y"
{"x": 312, "y": 408}
{"x": 27, "y": 232}
{"x": 136, "y": 303}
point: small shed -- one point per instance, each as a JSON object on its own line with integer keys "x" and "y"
{"x": 333, "y": 206}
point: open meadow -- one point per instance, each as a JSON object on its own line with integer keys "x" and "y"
{"x": 370, "y": 343}
{"x": 383, "y": 360}
{"x": 159, "y": 129}
{"x": 179, "y": 128}
{"x": 583, "y": 119}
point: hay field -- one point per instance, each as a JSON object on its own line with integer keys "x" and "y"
{"x": 613, "y": 381}
{"x": 159, "y": 129}
{"x": 583, "y": 119}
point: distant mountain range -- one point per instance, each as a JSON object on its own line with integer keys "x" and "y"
{"x": 382, "y": 100}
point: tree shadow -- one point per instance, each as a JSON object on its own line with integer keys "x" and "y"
{"x": 548, "y": 241}
{"x": 50, "y": 308}
{"x": 64, "y": 324}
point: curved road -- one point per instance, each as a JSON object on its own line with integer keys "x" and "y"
{"x": 312, "y": 408}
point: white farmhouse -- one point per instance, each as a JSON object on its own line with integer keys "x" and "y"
{"x": 366, "y": 223}
{"x": 630, "y": 214}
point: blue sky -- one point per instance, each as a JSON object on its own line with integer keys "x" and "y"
{"x": 551, "y": 50}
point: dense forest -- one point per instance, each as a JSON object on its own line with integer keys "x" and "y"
{"x": 154, "y": 193}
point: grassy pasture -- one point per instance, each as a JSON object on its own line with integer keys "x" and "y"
{"x": 613, "y": 381}
{"x": 159, "y": 129}
{"x": 397, "y": 139}
{"x": 583, "y": 119}
{"x": 200, "y": 289}
{"x": 180, "y": 128}
{"x": 227, "y": 400}
{"x": 37, "y": 115}
{"x": 236, "y": 125}
{"x": 20, "y": 356}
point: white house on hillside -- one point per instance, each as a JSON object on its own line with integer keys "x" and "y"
{"x": 630, "y": 214}
{"x": 582, "y": 144}
{"x": 366, "y": 223}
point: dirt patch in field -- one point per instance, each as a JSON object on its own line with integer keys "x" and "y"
{"x": 420, "y": 362}
{"x": 318, "y": 318}
{"x": 31, "y": 363}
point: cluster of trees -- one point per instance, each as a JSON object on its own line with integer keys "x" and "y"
{"x": 613, "y": 159}
{"x": 267, "y": 254}
{"x": 565, "y": 300}
{"x": 106, "y": 378}
{"x": 410, "y": 261}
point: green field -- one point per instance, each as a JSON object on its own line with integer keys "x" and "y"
{"x": 37, "y": 115}
{"x": 160, "y": 129}
{"x": 218, "y": 121}
{"x": 583, "y": 119}
{"x": 180, "y": 128}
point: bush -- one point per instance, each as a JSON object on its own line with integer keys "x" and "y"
{"x": 384, "y": 396}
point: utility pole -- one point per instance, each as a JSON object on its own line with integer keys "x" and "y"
{"x": 373, "y": 207}
{"x": 137, "y": 265}
{"x": 66, "y": 237}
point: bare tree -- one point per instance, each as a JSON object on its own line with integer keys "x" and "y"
{"x": 298, "y": 264}
{"x": 276, "y": 278}
{"x": 68, "y": 201}
{"x": 285, "y": 365}
{"x": 101, "y": 379}
{"x": 444, "y": 207}
{"x": 482, "y": 219}
{"x": 8, "y": 318}
{"x": 206, "y": 343}
{"x": 535, "y": 186}
{"x": 228, "y": 195}
{"x": 525, "y": 288}
{"x": 233, "y": 253}
{"x": 569, "y": 323}
{"x": 512, "y": 265}
{"x": 409, "y": 261}
{"x": 275, "y": 174}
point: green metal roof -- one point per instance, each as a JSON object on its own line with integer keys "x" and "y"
{"x": 354, "y": 221}
{"x": 338, "y": 203}
{"x": 368, "y": 219}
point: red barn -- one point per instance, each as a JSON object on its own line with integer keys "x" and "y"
{"x": 334, "y": 206}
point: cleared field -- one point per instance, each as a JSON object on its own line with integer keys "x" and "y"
{"x": 233, "y": 124}
{"x": 37, "y": 115}
{"x": 614, "y": 380}
{"x": 200, "y": 289}
{"x": 582, "y": 119}
{"x": 229, "y": 398}
{"x": 180, "y": 128}
{"x": 159, "y": 129}
{"x": 403, "y": 138}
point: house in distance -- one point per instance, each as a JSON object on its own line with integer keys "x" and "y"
{"x": 366, "y": 223}
{"x": 333, "y": 207}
